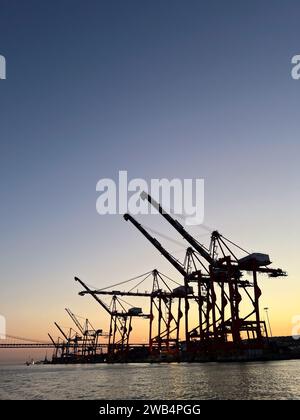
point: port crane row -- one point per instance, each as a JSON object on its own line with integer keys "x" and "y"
{"x": 215, "y": 285}
{"x": 202, "y": 318}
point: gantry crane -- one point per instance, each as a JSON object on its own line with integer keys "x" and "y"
{"x": 186, "y": 291}
{"x": 226, "y": 274}
{"x": 163, "y": 334}
{"x": 120, "y": 321}
{"x": 66, "y": 344}
{"x": 88, "y": 337}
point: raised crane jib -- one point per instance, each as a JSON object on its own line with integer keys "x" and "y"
{"x": 93, "y": 294}
{"x": 178, "y": 226}
{"x": 157, "y": 245}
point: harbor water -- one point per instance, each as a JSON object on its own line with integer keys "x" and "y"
{"x": 256, "y": 380}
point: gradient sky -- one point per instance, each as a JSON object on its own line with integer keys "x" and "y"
{"x": 167, "y": 88}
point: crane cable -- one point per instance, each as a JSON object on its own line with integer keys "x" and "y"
{"x": 122, "y": 282}
{"x": 24, "y": 339}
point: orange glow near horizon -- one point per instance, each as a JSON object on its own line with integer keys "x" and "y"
{"x": 282, "y": 305}
{"x": 35, "y": 308}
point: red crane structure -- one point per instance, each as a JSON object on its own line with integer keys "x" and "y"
{"x": 221, "y": 288}
{"x": 210, "y": 313}
{"x": 120, "y": 320}
{"x": 164, "y": 317}
{"x": 215, "y": 304}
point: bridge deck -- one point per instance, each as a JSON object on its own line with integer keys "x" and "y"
{"x": 51, "y": 345}
{"x": 37, "y": 346}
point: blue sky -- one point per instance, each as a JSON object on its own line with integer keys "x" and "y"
{"x": 170, "y": 89}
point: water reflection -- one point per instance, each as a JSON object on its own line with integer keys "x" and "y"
{"x": 264, "y": 380}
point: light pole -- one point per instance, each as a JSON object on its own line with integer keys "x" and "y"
{"x": 268, "y": 319}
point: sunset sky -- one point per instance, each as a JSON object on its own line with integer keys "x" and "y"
{"x": 168, "y": 89}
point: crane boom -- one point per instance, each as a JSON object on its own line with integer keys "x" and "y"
{"x": 75, "y": 320}
{"x": 178, "y": 226}
{"x": 157, "y": 245}
{"x": 120, "y": 293}
{"x": 61, "y": 330}
{"x": 93, "y": 294}
{"x": 112, "y": 313}
{"x": 55, "y": 345}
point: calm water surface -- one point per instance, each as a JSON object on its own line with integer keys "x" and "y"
{"x": 262, "y": 380}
